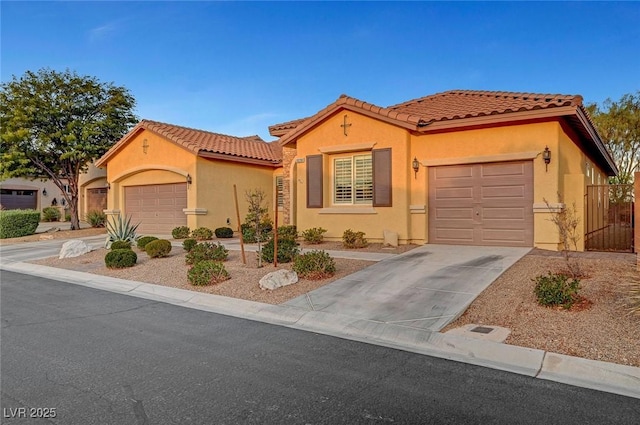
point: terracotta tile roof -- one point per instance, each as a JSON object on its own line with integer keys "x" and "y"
{"x": 201, "y": 141}
{"x": 281, "y": 129}
{"x": 456, "y": 104}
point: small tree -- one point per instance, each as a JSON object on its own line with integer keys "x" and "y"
{"x": 257, "y": 216}
{"x": 567, "y": 222}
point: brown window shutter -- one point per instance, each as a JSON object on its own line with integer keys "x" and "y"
{"x": 382, "y": 177}
{"x": 314, "y": 181}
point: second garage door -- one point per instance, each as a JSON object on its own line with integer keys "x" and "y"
{"x": 158, "y": 208}
{"x": 482, "y": 204}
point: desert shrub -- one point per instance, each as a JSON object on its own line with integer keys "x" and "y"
{"x": 50, "y": 214}
{"x": 288, "y": 232}
{"x": 143, "y": 241}
{"x": 67, "y": 217}
{"x": 202, "y": 234}
{"x": 314, "y": 265}
{"x": 206, "y": 251}
{"x": 181, "y": 232}
{"x": 121, "y": 229}
{"x": 158, "y": 248}
{"x": 224, "y": 232}
{"x": 96, "y": 218}
{"x": 351, "y": 239}
{"x": 207, "y": 272}
{"x": 556, "y": 289}
{"x": 188, "y": 244}
{"x": 17, "y": 223}
{"x": 633, "y": 294}
{"x": 121, "y": 245}
{"x": 314, "y": 235}
{"x": 120, "y": 258}
{"x": 287, "y": 250}
{"x": 249, "y": 232}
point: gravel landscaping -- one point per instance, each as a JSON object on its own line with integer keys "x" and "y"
{"x": 599, "y": 329}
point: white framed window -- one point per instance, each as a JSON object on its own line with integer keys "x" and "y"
{"x": 353, "y": 180}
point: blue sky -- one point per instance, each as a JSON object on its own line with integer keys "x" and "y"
{"x": 237, "y": 68}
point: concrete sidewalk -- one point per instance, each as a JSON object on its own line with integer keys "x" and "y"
{"x": 624, "y": 380}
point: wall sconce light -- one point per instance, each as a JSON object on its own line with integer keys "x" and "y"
{"x": 108, "y": 186}
{"x": 189, "y": 181}
{"x": 415, "y": 164}
{"x": 546, "y": 156}
{"x": 44, "y": 192}
{"x": 228, "y": 222}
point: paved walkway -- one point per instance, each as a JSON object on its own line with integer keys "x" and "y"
{"x": 396, "y": 321}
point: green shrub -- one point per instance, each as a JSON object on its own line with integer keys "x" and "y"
{"x": 67, "y": 217}
{"x": 351, "y": 239}
{"x": 314, "y": 235}
{"x": 158, "y": 248}
{"x": 314, "y": 265}
{"x": 120, "y": 258}
{"x": 288, "y": 232}
{"x": 188, "y": 244}
{"x": 202, "y": 234}
{"x": 287, "y": 250}
{"x": 224, "y": 232}
{"x": 206, "y": 251}
{"x": 249, "y": 232}
{"x": 96, "y": 218}
{"x": 181, "y": 232}
{"x": 207, "y": 272}
{"x": 121, "y": 245}
{"x": 50, "y": 214}
{"x": 556, "y": 289}
{"x": 143, "y": 241}
{"x": 121, "y": 229}
{"x": 18, "y": 223}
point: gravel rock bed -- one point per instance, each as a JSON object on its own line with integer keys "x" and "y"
{"x": 172, "y": 271}
{"x": 600, "y": 329}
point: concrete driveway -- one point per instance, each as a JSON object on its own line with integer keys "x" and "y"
{"x": 425, "y": 288}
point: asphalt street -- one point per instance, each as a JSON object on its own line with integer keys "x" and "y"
{"x": 95, "y": 357}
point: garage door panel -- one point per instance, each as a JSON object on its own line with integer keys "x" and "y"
{"x": 494, "y": 207}
{"x": 503, "y": 169}
{"x": 158, "y": 208}
{"x": 516, "y": 192}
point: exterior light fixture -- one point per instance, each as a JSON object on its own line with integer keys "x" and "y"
{"x": 415, "y": 164}
{"x": 189, "y": 180}
{"x": 546, "y": 156}
{"x": 108, "y": 186}
{"x": 44, "y": 192}
{"x": 228, "y": 221}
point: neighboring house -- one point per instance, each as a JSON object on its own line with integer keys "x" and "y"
{"x": 459, "y": 167}
{"x": 163, "y": 176}
{"x": 21, "y": 193}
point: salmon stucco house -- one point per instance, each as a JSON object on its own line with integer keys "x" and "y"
{"x": 164, "y": 176}
{"x": 459, "y": 167}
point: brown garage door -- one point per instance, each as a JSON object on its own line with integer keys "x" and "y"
{"x": 158, "y": 208}
{"x": 97, "y": 199}
{"x": 482, "y": 204}
{"x": 14, "y": 199}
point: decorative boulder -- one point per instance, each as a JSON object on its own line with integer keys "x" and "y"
{"x": 390, "y": 238}
{"x": 278, "y": 279}
{"x": 74, "y": 248}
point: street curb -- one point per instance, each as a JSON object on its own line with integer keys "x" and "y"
{"x": 593, "y": 374}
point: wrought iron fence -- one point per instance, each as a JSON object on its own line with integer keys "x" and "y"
{"x": 609, "y": 218}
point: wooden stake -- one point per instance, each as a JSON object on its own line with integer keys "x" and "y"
{"x": 235, "y": 195}
{"x": 275, "y": 236}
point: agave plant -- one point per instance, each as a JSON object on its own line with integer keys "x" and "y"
{"x": 121, "y": 229}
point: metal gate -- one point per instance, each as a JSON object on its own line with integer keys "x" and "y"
{"x": 609, "y": 218}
